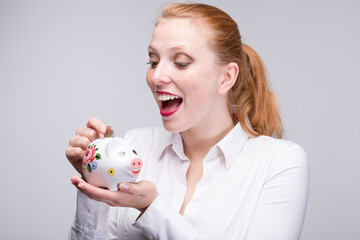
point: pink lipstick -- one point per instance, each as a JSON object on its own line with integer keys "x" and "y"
{"x": 169, "y": 103}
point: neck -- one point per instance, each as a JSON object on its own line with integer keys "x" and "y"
{"x": 199, "y": 140}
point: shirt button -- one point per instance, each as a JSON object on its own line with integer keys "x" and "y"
{"x": 89, "y": 212}
{"x": 89, "y": 226}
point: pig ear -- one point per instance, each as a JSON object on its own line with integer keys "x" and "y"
{"x": 132, "y": 142}
{"x": 112, "y": 148}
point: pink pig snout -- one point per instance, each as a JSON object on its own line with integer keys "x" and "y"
{"x": 136, "y": 165}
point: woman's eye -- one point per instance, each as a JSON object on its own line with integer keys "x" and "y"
{"x": 153, "y": 64}
{"x": 181, "y": 64}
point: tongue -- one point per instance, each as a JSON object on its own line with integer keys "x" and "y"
{"x": 172, "y": 104}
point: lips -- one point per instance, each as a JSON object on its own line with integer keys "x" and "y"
{"x": 169, "y": 103}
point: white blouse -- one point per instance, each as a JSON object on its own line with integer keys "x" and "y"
{"x": 252, "y": 188}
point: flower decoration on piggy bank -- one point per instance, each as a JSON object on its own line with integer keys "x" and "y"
{"x": 110, "y": 161}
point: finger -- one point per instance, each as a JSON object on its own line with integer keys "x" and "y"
{"x": 81, "y": 185}
{"x": 96, "y": 124}
{"x": 90, "y": 133}
{"x": 74, "y": 153}
{"x": 139, "y": 195}
{"x": 117, "y": 198}
{"x": 84, "y": 188}
{"x": 129, "y": 188}
{"x": 96, "y": 193}
{"x": 140, "y": 188}
{"x": 81, "y": 189}
{"x": 79, "y": 141}
{"x": 75, "y": 180}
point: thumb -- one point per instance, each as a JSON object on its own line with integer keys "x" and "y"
{"x": 128, "y": 188}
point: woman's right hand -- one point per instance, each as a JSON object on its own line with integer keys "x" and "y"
{"x": 84, "y": 136}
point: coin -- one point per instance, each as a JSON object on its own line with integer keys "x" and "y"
{"x": 109, "y": 132}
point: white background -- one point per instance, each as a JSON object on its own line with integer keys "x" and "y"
{"x": 62, "y": 62}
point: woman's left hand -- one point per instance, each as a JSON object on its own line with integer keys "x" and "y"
{"x": 136, "y": 195}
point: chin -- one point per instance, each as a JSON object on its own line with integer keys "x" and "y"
{"x": 172, "y": 126}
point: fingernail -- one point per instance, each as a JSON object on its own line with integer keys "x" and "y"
{"x": 103, "y": 130}
{"x": 124, "y": 187}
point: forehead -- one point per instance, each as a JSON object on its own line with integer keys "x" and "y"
{"x": 180, "y": 32}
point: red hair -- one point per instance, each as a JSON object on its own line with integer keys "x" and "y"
{"x": 257, "y": 108}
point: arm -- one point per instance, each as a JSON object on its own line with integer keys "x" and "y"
{"x": 282, "y": 204}
{"x": 91, "y": 219}
{"x": 144, "y": 197}
{"x": 161, "y": 221}
{"x": 157, "y": 219}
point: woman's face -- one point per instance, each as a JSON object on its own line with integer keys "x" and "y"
{"x": 183, "y": 74}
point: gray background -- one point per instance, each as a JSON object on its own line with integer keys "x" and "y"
{"x": 62, "y": 62}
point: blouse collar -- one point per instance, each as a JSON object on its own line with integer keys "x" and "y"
{"x": 230, "y": 146}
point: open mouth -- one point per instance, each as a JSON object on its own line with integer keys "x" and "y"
{"x": 169, "y": 103}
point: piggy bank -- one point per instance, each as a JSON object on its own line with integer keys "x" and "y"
{"x": 109, "y": 161}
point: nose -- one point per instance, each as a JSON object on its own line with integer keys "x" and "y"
{"x": 136, "y": 163}
{"x": 161, "y": 74}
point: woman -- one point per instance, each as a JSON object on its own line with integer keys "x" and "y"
{"x": 213, "y": 174}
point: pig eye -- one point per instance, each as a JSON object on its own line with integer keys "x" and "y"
{"x": 135, "y": 152}
{"x": 122, "y": 154}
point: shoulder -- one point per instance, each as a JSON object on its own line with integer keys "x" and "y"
{"x": 276, "y": 146}
{"x": 277, "y": 151}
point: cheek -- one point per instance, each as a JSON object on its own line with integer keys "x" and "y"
{"x": 201, "y": 87}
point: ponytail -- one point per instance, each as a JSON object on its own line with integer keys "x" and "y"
{"x": 257, "y": 108}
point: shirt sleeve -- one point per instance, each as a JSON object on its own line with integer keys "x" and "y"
{"x": 91, "y": 219}
{"x": 281, "y": 207}
{"x": 162, "y": 221}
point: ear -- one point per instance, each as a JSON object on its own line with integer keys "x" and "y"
{"x": 231, "y": 71}
{"x": 112, "y": 148}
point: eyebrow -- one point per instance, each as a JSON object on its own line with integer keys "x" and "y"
{"x": 177, "y": 48}
{"x": 152, "y": 49}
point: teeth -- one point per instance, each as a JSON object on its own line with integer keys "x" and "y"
{"x": 166, "y": 97}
